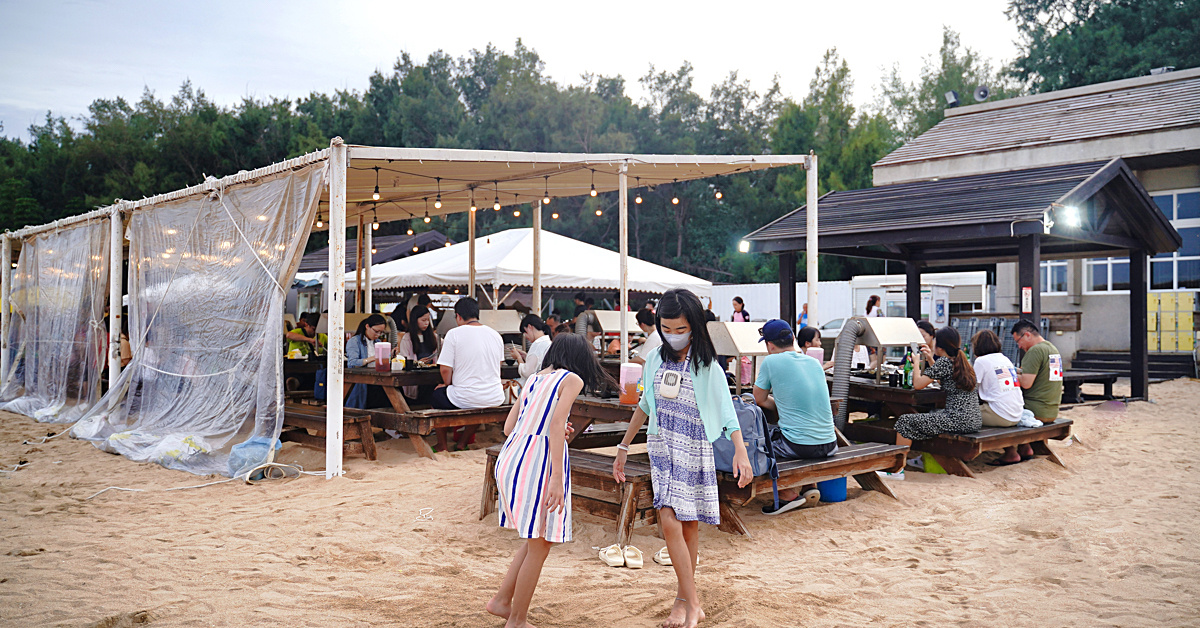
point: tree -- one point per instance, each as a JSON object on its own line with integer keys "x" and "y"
{"x": 1068, "y": 43}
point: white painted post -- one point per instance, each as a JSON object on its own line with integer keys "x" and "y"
{"x": 115, "y": 255}
{"x": 810, "y": 165}
{"x": 5, "y": 304}
{"x": 536, "y": 306}
{"x": 368, "y": 259}
{"x": 623, "y": 206}
{"x": 335, "y": 375}
{"x": 471, "y": 254}
{"x": 358, "y": 267}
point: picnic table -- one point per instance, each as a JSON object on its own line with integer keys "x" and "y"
{"x": 607, "y": 418}
{"x": 393, "y": 381}
{"x": 1073, "y": 382}
{"x": 888, "y": 402}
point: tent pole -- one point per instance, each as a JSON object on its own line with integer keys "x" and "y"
{"x": 623, "y": 206}
{"x": 471, "y": 254}
{"x": 358, "y": 267}
{"x": 368, "y": 259}
{"x": 336, "y": 353}
{"x": 495, "y": 297}
{"x": 115, "y": 250}
{"x": 536, "y": 206}
{"x": 5, "y": 304}
{"x": 810, "y": 166}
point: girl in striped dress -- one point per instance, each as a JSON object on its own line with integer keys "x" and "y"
{"x": 533, "y": 471}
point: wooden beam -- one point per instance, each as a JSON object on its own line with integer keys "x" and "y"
{"x": 912, "y": 288}
{"x": 1029, "y": 278}
{"x": 1139, "y": 359}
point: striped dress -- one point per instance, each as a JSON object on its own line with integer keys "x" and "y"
{"x": 523, "y": 466}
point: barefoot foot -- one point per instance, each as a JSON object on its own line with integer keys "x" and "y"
{"x": 499, "y": 607}
{"x": 522, "y": 624}
{"x": 678, "y": 616}
{"x": 695, "y": 615}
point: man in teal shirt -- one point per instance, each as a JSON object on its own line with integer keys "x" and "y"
{"x": 794, "y": 385}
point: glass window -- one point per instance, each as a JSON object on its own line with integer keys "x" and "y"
{"x": 1189, "y": 273}
{"x": 1058, "y": 279}
{"x": 1120, "y": 275}
{"x": 1187, "y": 205}
{"x": 1098, "y": 277}
{"x": 1191, "y": 241}
{"x": 1166, "y": 203}
{"x": 1162, "y": 275}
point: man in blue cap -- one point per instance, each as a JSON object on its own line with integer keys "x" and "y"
{"x": 793, "y": 384}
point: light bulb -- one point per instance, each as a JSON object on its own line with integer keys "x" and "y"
{"x": 674, "y": 200}
{"x": 375, "y": 226}
{"x": 410, "y": 231}
{"x": 375, "y": 194}
{"x": 437, "y": 204}
{"x": 545, "y": 200}
{"x": 599, "y": 212}
{"x": 719, "y": 195}
{"x": 374, "y": 250}
{"x": 426, "y": 218}
{"x": 593, "y": 192}
{"x": 414, "y": 249}
{"x": 320, "y": 223}
{"x": 473, "y": 207}
{"x": 516, "y": 212}
{"x": 743, "y": 247}
{"x": 638, "y": 199}
{"x": 496, "y": 205}
{"x": 447, "y": 245}
{"x": 554, "y": 215}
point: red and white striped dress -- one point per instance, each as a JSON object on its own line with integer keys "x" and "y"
{"x": 523, "y": 466}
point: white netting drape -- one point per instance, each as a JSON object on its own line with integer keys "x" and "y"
{"x": 57, "y": 336}
{"x": 204, "y": 390}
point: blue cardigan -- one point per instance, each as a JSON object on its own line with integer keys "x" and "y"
{"x": 712, "y": 397}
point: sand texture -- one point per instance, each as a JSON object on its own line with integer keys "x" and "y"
{"x": 1110, "y": 541}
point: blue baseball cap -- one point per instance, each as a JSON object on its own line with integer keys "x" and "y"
{"x": 775, "y": 329}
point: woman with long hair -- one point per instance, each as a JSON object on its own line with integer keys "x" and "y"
{"x": 537, "y": 333}
{"x": 687, "y": 403}
{"x": 360, "y": 353}
{"x": 956, "y": 376}
{"x": 873, "y": 305}
{"x": 1001, "y": 401}
{"x": 419, "y": 344}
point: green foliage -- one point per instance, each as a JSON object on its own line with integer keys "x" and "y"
{"x": 1068, "y": 43}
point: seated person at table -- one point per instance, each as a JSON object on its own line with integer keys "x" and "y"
{"x": 810, "y": 338}
{"x": 1041, "y": 371}
{"x": 927, "y": 331}
{"x": 552, "y": 322}
{"x": 360, "y": 353}
{"x": 793, "y": 384}
{"x": 955, "y": 375}
{"x": 645, "y": 321}
{"x": 470, "y": 363}
{"x": 999, "y": 392}
{"x": 305, "y": 337}
{"x": 419, "y": 344}
{"x": 538, "y": 335}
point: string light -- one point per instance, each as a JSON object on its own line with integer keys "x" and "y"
{"x": 410, "y": 231}
{"x": 473, "y": 207}
{"x": 554, "y": 215}
{"x": 438, "y": 203}
{"x": 414, "y": 249}
{"x": 674, "y": 196}
{"x": 374, "y": 219}
{"x": 427, "y": 217}
{"x": 638, "y": 199}
{"x": 375, "y": 194}
{"x": 516, "y": 212}
{"x": 546, "y": 198}
{"x": 593, "y": 192}
{"x": 374, "y": 250}
{"x": 719, "y": 195}
{"x": 320, "y": 223}
{"x": 447, "y": 245}
{"x": 496, "y": 205}
{"x": 599, "y": 212}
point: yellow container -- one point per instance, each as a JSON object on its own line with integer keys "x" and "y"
{"x": 1187, "y": 341}
{"x": 1184, "y": 320}
{"x": 1152, "y": 341}
{"x": 1152, "y": 301}
{"x": 1168, "y": 341}
{"x": 1186, "y": 301}
{"x": 1166, "y": 301}
{"x": 1152, "y": 321}
{"x": 1166, "y": 321}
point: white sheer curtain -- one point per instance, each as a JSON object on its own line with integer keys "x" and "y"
{"x": 204, "y": 390}
{"x": 57, "y": 335}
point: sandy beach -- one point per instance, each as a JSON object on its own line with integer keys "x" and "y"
{"x": 1106, "y": 542}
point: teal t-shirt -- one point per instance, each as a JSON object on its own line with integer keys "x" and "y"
{"x": 798, "y": 383}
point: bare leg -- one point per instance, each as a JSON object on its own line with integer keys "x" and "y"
{"x": 526, "y": 582}
{"x": 691, "y": 536}
{"x": 501, "y": 604}
{"x": 442, "y": 433}
{"x": 1010, "y": 455}
{"x": 465, "y": 437}
{"x": 685, "y": 571}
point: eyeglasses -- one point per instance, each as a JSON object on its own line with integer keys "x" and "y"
{"x": 379, "y": 330}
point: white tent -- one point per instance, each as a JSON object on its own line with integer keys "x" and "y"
{"x": 506, "y": 259}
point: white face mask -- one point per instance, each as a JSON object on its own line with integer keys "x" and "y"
{"x": 678, "y": 341}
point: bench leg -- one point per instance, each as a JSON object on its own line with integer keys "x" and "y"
{"x": 488, "y": 505}
{"x": 398, "y": 402}
{"x": 954, "y": 466}
{"x": 872, "y": 482}
{"x": 368, "y": 439}
{"x": 731, "y": 522}
{"x": 422, "y": 447}
{"x": 627, "y": 515}
{"x": 1041, "y": 448}
{"x": 580, "y": 424}
{"x": 1108, "y": 389}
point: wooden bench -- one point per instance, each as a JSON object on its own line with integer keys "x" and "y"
{"x": 859, "y": 461}
{"x": 417, "y": 424}
{"x": 1073, "y": 382}
{"x": 594, "y": 491}
{"x": 953, "y": 451}
{"x": 604, "y": 435}
{"x": 356, "y": 426}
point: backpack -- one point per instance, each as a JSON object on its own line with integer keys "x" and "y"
{"x": 756, "y": 434}
{"x": 319, "y": 392}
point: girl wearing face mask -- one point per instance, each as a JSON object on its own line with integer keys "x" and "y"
{"x": 687, "y": 402}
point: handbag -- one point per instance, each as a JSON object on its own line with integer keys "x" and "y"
{"x": 319, "y": 391}
{"x": 756, "y": 434}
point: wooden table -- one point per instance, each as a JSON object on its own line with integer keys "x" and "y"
{"x": 393, "y": 381}
{"x": 868, "y": 396}
{"x": 302, "y": 366}
{"x": 1073, "y": 382}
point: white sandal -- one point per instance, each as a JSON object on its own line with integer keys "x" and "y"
{"x": 612, "y": 556}
{"x": 663, "y": 557}
{"x": 633, "y": 557}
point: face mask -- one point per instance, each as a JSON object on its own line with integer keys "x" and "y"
{"x": 678, "y": 341}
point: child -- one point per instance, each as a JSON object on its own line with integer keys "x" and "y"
{"x": 687, "y": 402}
{"x": 533, "y": 472}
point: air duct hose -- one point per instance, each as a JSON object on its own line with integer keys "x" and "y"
{"x": 854, "y": 329}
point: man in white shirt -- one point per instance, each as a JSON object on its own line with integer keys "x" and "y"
{"x": 470, "y": 365}
{"x": 645, "y": 321}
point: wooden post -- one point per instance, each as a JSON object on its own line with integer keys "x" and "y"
{"x": 5, "y": 304}
{"x": 536, "y": 306}
{"x": 623, "y": 239}
{"x": 787, "y": 287}
{"x": 1139, "y": 358}
{"x": 1029, "y": 261}
{"x": 115, "y": 255}
{"x": 912, "y": 290}
{"x": 812, "y": 277}
{"x": 471, "y": 253}
{"x": 336, "y": 354}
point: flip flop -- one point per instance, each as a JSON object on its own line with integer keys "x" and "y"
{"x": 662, "y": 557}
{"x": 612, "y": 556}
{"x": 1000, "y": 462}
{"x": 633, "y": 557}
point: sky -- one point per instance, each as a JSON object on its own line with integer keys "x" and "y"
{"x": 60, "y": 55}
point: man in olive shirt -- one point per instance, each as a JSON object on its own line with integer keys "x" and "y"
{"x": 1041, "y": 372}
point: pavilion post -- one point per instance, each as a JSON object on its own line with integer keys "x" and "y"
{"x": 1029, "y": 261}
{"x": 623, "y": 207}
{"x": 787, "y": 287}
{"x": 368, "y": 257}
{"x": 912, "y": 290}
{"x": 115, "y": 261}
{"x": 5, "y": 304}
{"x": 1139, "y": 358}
{"x": 336, "y": 354}
{"x": 358, "y": 267}
{"x": 536, "y": 206}
{"x": 471, "y": 253}
{"x": 810, "y": 167}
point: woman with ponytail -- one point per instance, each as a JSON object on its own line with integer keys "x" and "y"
{"x": 955, "y": 375}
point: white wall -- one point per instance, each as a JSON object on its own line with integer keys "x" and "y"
{"x": 762, "y": 300}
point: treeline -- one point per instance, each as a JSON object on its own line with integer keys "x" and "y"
{"x": 492, "y": 99}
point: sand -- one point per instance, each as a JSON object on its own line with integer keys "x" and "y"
{"x": 1106, "y": 542}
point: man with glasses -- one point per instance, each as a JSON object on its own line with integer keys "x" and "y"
{"x": 1041, "y": 372}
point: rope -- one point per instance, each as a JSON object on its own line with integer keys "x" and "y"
{"x": 192, "y": 376}
{"x": 271, "y": 471}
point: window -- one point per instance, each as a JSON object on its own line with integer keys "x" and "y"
{"x": 1107, "y": 274}
{"x": 1179, "y": 270}
{"x": 1054, "y": 277}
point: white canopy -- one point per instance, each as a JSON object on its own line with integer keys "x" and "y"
{"x": 506, "y": 259}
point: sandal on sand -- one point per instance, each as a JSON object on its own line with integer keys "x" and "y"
{"x": 633, "y": 557}
{"x": 1000, "y": 462}
{"x": 663, "y": 557}
{"x": 612, "y": 556}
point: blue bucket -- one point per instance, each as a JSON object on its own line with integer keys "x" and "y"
{"x": 833, "y": 490}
